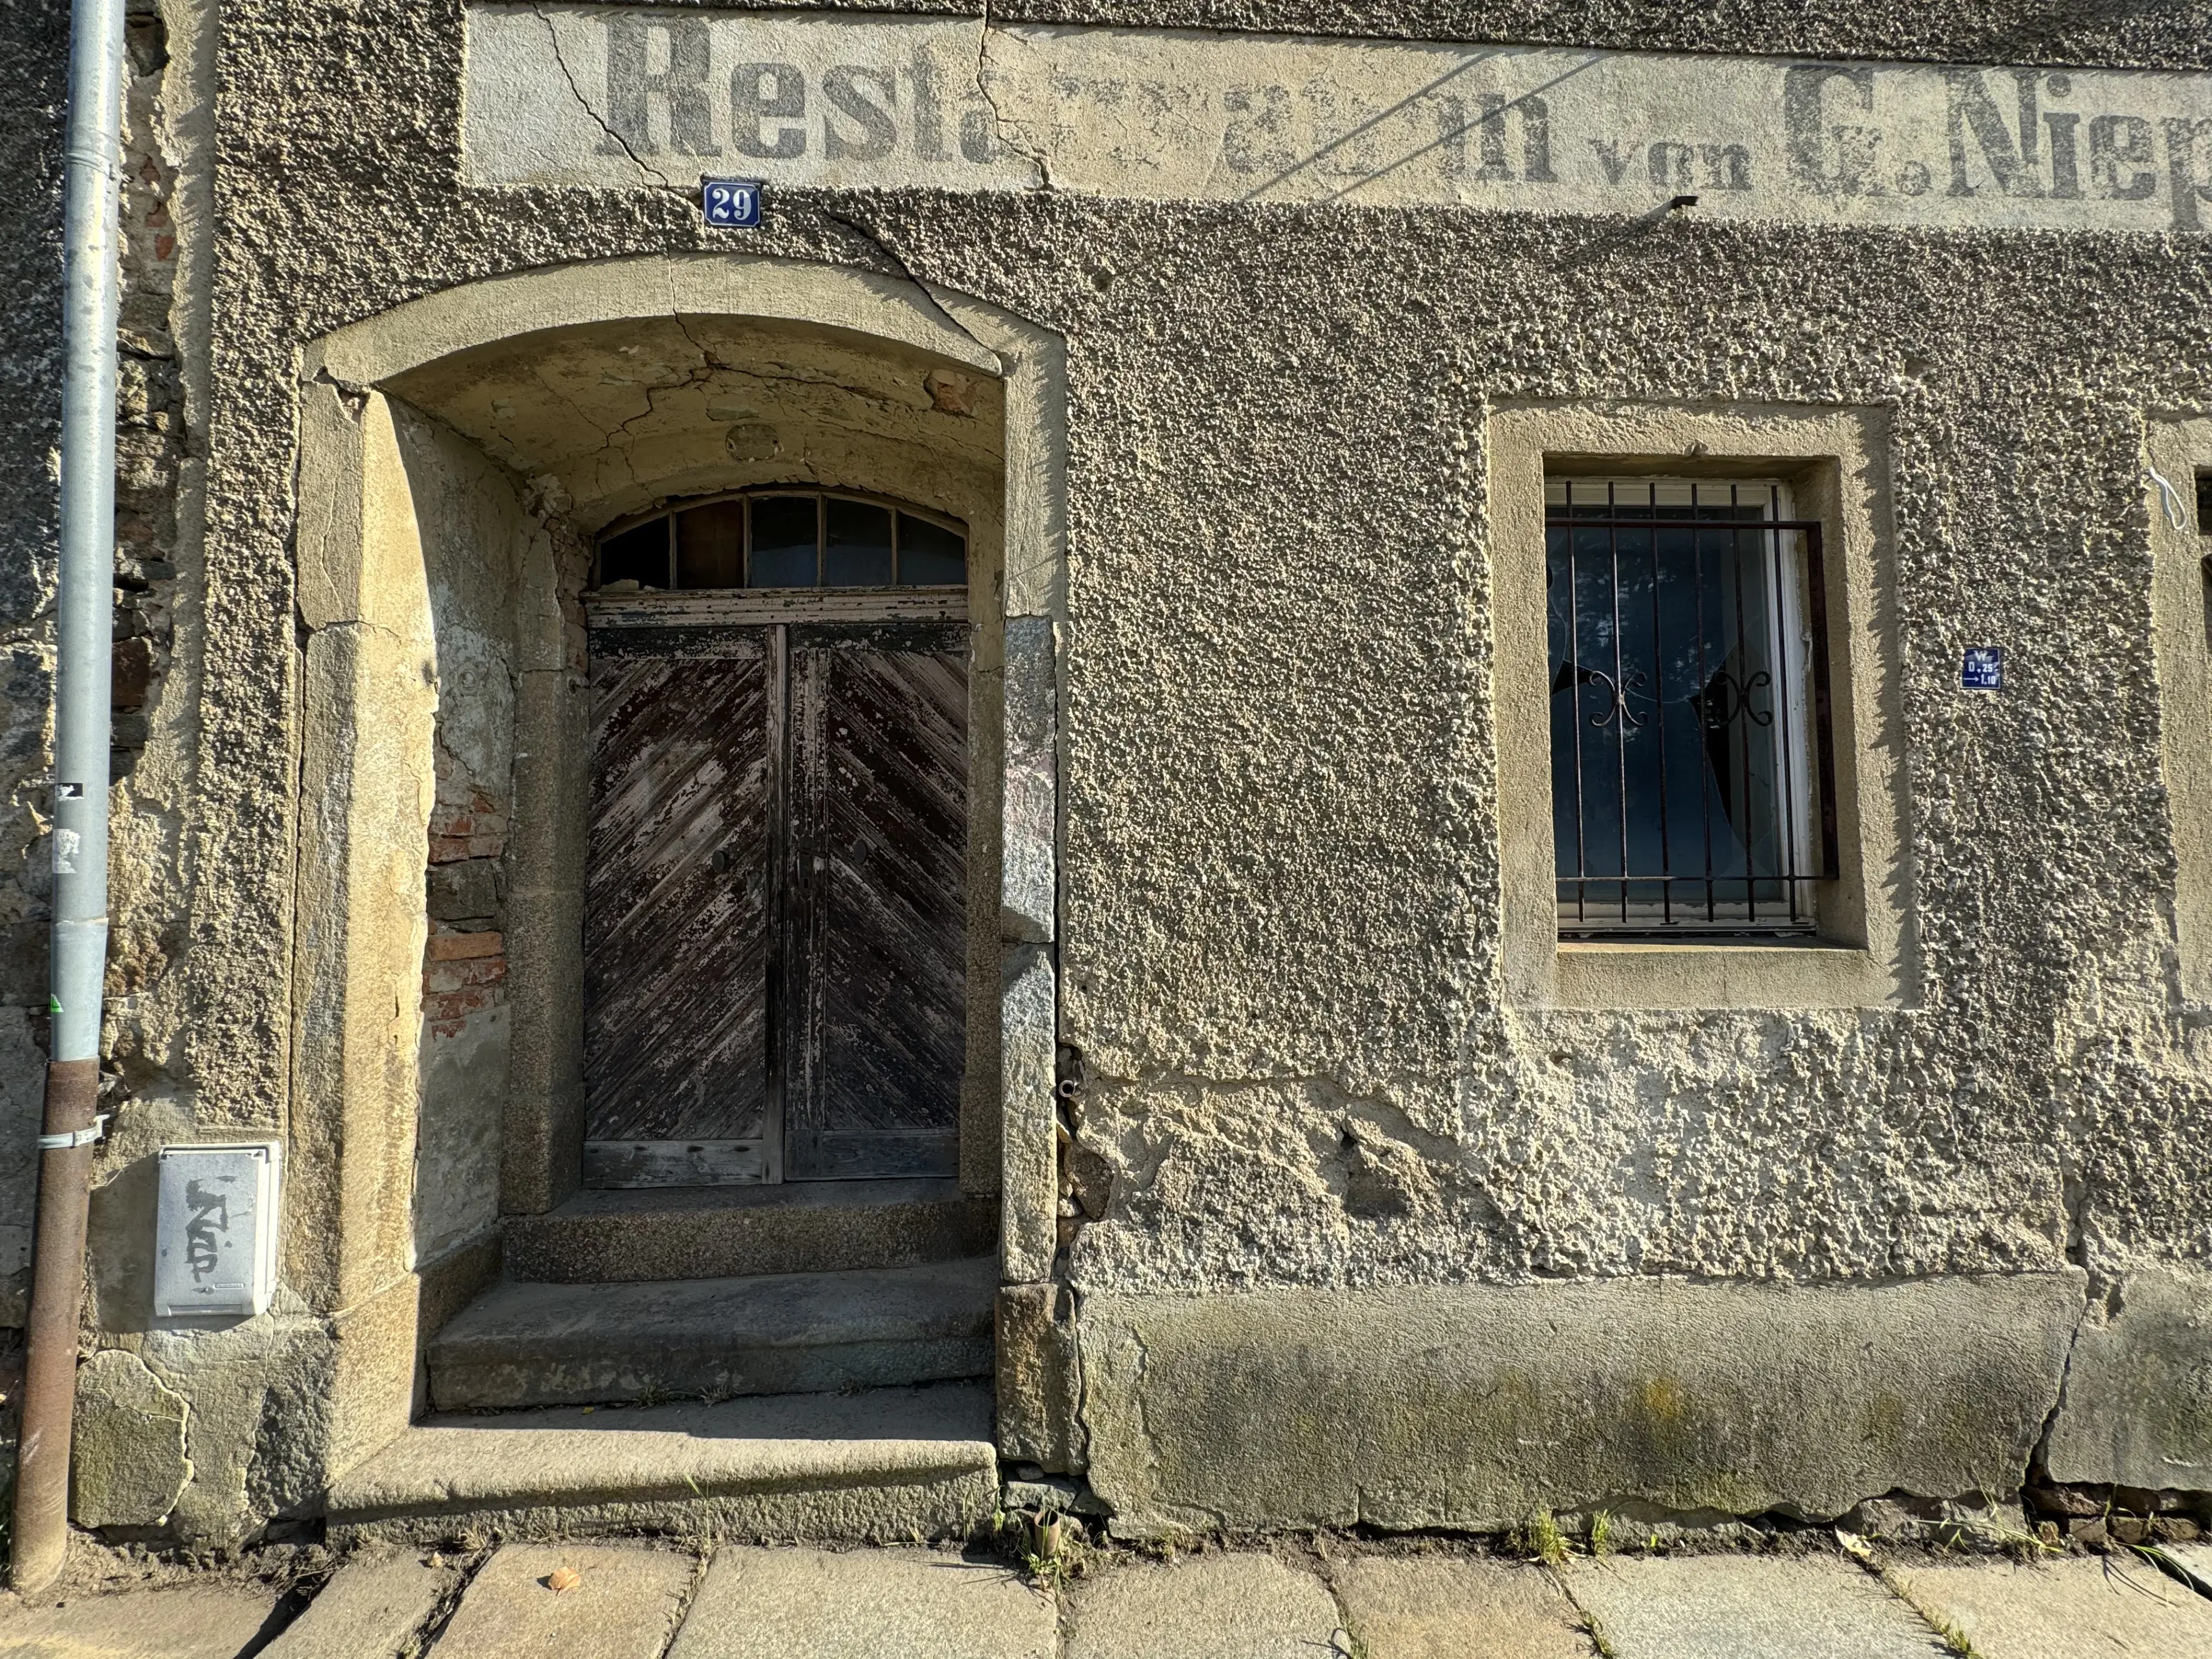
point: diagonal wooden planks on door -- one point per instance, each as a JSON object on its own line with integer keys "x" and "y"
{"x": 678, "y": 906}
{"x": 775, "y": 919}
{"x": 877, "y": 908}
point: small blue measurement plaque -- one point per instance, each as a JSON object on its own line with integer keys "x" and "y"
{"x": 731, "y": 204}
{"x": 1982, "y": 668}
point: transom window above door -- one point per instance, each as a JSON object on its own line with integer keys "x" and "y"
{"x": 1692, "y": 783}
{"x": 779, "y": 538}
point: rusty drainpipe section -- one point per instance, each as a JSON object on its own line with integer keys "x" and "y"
{"x": 84, "y": 631}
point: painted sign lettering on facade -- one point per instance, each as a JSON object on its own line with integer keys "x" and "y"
{"x": 624, "y": 96}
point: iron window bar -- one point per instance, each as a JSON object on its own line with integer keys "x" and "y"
{"x": 1647, "y": 856}
{"x": 625, "y": 540}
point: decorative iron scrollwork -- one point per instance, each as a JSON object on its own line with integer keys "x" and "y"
{"x": 1724, "y": 699}
{"x": 1616, "y": 703}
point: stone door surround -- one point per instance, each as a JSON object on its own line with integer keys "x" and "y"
{"x": 370, "y": 708}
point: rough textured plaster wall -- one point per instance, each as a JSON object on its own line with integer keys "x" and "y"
{"x": 152, "y": 444}
{"x": 1280, "y": 950}
{"x": 156, "y": 447}
{"x": 1976, "y": 1131}
{"x": 1288, "y": 946}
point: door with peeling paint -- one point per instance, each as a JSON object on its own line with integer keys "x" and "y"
{"x": 678, "y": 907}
{"x": 776, "y": 897}
{"x": 877, "y": 901}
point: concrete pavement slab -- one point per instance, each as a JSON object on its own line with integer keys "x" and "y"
{"x": 864, "y": 1604}
{"x": 198, "y": 1621}
{"x": 2111, "y": 1607}
{"x": 625, "y": 1602}
{"x": 372, "y": 1608}
{"x": 1442, "y": 1607}
{"x": 1217, "y": 1605}
{"x": 1738, "y": 1607}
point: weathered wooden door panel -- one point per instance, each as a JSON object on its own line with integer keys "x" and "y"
{"x": 685, "y": 739}
{"x": 877, "y": 915}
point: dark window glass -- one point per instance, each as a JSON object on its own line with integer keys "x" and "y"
{"x": 785, "y": 542}
{"x": 784, "y": 539}
{"x": 931, "y": 556}
{"x": 639, "y": 556}
{"x": 857, "y": 552}
{"x": 1681, "y": 747}
{"x": 710, "y": 545}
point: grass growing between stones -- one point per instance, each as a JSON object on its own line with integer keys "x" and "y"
{"x": 1541, "y": 1537}
{"x": 1601, "y": 1535}
{"x": 1863, "y": 1552}
{"x": 2174, "y": 1568}
{"x": 1054, "y": 1549}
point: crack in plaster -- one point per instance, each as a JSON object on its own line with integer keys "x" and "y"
{"x": 929, "y": 294}
{"x": 653, "y": 175}
{"x": 1035, "y": 158}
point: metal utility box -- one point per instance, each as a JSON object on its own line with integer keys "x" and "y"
{"x": 215, "y": 1230}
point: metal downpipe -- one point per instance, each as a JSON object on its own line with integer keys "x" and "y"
{"x": 84, "y": 631}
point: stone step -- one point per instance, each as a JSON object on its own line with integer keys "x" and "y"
{"x": 524, "y": 1344}
{"x": 883, "y": 1464}
{"x": 712, "y": 1232}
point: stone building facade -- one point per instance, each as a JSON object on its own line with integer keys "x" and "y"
{"x": 1158, "y": 935}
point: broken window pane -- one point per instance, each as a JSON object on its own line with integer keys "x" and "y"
{"x": 639, "y": 556}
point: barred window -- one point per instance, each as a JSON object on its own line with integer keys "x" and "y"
{"x": 1692, "y": 786}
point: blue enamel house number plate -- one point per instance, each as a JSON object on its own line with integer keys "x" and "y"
{"x": 1983, "y": 669}
{"x": 732, "y": 204}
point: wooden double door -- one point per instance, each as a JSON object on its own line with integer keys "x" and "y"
{"x": 776, "y": 907}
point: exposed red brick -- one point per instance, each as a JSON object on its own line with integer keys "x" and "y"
{"x": 449, "y": 1008}
{"x": 459, "y": 975}
{"x": 452, "y": 947}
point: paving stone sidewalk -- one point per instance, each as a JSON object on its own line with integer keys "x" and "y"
{"x": 633, "y": 1600}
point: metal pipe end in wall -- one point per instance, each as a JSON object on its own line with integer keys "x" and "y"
{"x": 42, "y": 1460}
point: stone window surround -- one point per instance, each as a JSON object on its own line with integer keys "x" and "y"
{"x": 1834, "y": 460}
{"x": 355, "y": 1093}
{"x": 2179, "y": 447}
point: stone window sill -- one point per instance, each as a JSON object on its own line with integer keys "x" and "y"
{"x": 1732, "y": 974}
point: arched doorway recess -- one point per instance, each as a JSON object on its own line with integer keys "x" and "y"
{"x": 466, "y": 462}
